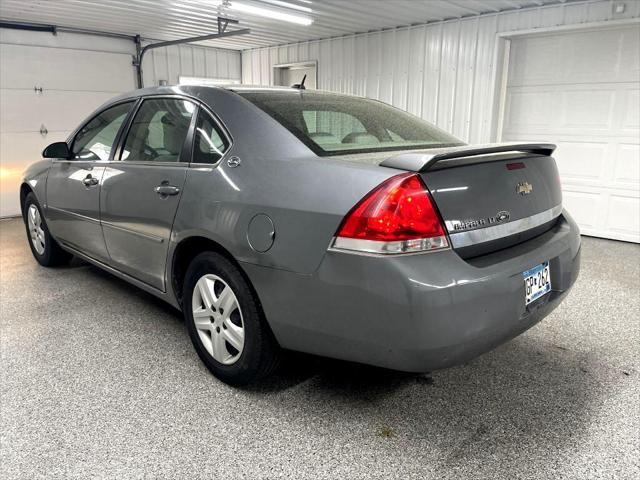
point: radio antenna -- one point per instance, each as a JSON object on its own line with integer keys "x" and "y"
{"x": 300, "y": 86}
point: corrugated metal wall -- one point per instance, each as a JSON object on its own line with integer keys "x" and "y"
{"x": 169, "y": 63}
{"x": 444, "y": 72}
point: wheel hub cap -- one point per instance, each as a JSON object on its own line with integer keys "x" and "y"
{"x": 218, "y": 319}
{"x": 34, "y": 222}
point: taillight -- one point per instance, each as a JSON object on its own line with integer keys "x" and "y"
{"x": 397, "y": 216}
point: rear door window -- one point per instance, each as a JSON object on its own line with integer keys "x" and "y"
{"x": 158, "y": 131}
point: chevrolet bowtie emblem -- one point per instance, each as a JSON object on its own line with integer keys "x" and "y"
{"x": 524, "y": 188}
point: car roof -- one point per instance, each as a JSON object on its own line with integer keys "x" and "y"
{"x": 196, "y": 90}
{"x": 255, "y": 88}
{"x": 234, "y": 87}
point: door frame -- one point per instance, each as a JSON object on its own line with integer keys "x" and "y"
{"x": 275, "y": 70}
{"x": 502, "y": 58}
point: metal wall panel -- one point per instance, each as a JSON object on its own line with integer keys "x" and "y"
{"x": 444, "y": 72}
{"x": 166, "y": 63}
{"x": 169, "y": 63}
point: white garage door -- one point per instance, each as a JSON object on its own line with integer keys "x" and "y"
{"x": 73, "y": 82}
{"x": 581, "y": 91}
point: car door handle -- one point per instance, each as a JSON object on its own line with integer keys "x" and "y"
{"x": 90, "y": 181}
{"x": 165, "y": 190}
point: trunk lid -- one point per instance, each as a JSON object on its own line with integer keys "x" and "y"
{"x": 490, "y": 196}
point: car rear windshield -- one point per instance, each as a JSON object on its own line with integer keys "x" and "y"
{"x": 332, "y": 124}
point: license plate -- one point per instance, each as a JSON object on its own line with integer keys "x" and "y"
{"x": 537, "y": 282}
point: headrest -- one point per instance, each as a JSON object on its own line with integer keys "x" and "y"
{"x": 360, "y": 137}
{"x": 322, "y": 138}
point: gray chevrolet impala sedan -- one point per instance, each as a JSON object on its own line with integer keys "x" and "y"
{"x": 283, "y": 218}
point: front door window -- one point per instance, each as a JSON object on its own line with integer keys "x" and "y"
{"x": 95, "y": 140}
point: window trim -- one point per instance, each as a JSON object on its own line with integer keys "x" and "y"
{"x": 184, "y": 156}
{"x": 186, "y": 161}
{"x": 118, "y": 145}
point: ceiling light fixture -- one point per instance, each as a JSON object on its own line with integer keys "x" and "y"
{"x": 268, "y": 13}
{"x": 280, "y": 3}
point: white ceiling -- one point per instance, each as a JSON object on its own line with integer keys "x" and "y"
{"x": 173, "y": 19}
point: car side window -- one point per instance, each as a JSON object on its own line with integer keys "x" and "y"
{"x": 95, "y": 140}
{"x": 209, "y": 142}
{"x": 158, "y": 130}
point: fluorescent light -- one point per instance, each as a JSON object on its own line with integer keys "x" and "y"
{"x": 289, "y": 5}
{"x": 184, "y": 80}
{"x": 265, "y": 12}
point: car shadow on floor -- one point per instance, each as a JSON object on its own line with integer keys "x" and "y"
{"x": 528, "y": 395}
{"x": 128, "y": 288}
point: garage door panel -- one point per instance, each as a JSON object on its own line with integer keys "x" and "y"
{"x": 17, "y": 151}
{"x": 600, "y": 164}
{"x": 581, "y": 57}
{"x": 588, "y": 103}
{"x": 630, "y": 54}
{"x": 24, "y": 77}
{"x": 587, "y": 109}
{"x": 631, "y": 117}
{"x": 623, "y": 217}
{"x": 627, "y": 167}
{"x": 582, "y": 205}
{"x": 528, "y": 57}
{"x": 589, "y": 57}
{"x": 65, "y": 69}
{"x": 529, "y": 108}
{"x": 581, "y": 160}
{"x": 74, "y": 82}
{"x": 24, "y": 110}
{"x": 599, "y": 109}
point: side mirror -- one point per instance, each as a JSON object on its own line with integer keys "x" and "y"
{"x": 57, "y": 150}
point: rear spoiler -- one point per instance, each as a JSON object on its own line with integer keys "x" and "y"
{"x": 421, "y": 161}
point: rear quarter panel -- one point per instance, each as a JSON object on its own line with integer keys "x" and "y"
{"x": 305, "y": 196}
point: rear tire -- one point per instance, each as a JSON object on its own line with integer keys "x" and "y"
{"x": 44, "y": 248}
{"x": 229, "y": 331}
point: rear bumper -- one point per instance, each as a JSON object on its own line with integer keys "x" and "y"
{"x": 415, "y": 312}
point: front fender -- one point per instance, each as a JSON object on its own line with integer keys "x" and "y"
{"x": 34, "y": 179}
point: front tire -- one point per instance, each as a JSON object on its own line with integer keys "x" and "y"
{"x": 45, "y": 249}
{"x": 225, "y": 321}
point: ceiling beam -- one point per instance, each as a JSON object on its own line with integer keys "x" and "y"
{"x": 140, "y": 51}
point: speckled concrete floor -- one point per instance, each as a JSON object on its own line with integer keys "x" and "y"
{"x": 99, "y": 380}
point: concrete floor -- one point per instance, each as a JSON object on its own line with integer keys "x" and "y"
{"x": 100, "y": 380}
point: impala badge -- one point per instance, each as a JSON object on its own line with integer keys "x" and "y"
{"x": 460, "y": 225}
{"x": 524, "y": 188}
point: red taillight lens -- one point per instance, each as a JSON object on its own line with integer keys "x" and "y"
{"x": 398, "y": 216}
